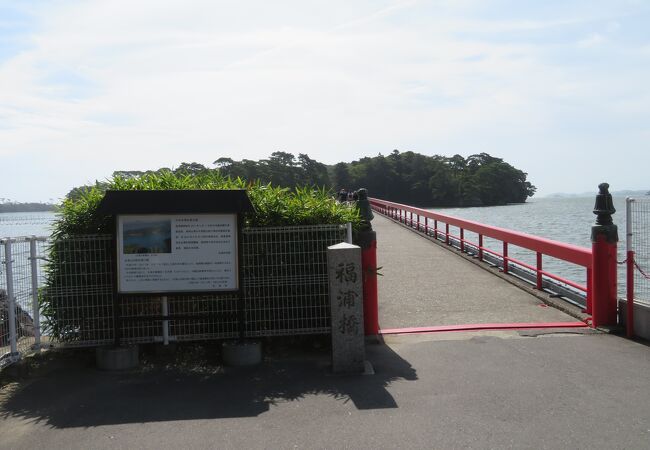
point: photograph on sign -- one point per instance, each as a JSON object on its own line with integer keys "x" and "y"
{"x": 147, "y": 236}
{"x": 177, "y": 253}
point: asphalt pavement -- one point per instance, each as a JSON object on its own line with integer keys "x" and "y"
{"x": 427, "y": 284}
{"x": 533, "y": 390}
{"x": 536, "y": 389}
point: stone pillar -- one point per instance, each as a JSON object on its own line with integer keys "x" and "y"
{"x": 346, "y": 303}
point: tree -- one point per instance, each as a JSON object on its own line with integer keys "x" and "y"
{"x": 127, "y": 173}
{"x": 313, "y": 172}
{"x": 191, "y": 168}
{"x": 341, "y": 175}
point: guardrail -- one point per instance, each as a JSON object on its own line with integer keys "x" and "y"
{"x": 439, "y": 226}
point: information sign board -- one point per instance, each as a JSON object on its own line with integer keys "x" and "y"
{"x": 159, "y": 253}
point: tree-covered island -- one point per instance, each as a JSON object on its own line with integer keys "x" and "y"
{"x": 405, "y": 177}
{"x": 7, "y": 206}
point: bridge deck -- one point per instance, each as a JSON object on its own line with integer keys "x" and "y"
{"x": 424, "y": 284}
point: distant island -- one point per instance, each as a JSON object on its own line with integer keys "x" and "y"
{"x": 404, "y": 177}
{"x": 13, "y": 207}
{"x": 623, "y": 193}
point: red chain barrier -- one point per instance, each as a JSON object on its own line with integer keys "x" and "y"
{"x": 645, "y": 275}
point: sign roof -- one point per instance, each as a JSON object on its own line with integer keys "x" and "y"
{"x": 176, "y": 202}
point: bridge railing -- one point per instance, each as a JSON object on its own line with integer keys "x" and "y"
{"x": 452, "y": 230}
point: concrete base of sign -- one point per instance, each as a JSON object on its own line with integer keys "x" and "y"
{"x": 117, "y": 358}
{"x": 241, "y": 353}
{"x": 165, "y": 350}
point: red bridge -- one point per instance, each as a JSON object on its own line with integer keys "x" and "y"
{"x": 413, "y": 254}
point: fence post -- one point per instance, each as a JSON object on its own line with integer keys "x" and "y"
{"x": 604, "y": 236}
{"x": 11, "y": 299}
{"x": 539, "y": 271}
{"x": 165, "y": 323}
{"x": 36, "y": 315}
{"x": 629, "y": 316}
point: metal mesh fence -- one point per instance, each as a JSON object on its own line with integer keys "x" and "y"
{"x": 640, "y": 222}
{"x": 23, "y": 295}
{"x": 285, "y": 279}
{"x": 284, "y": 292}
{"x": 78, "y": 297}
{"x": 196, "y": 317}
{"x": 20, "y": 262}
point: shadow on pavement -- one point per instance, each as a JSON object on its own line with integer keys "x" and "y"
{"x": 78, "y": 395}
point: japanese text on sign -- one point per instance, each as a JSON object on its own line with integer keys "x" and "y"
{"x": 177, "y": 253}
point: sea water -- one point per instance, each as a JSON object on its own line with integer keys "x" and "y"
{"x": 26, "y": 224}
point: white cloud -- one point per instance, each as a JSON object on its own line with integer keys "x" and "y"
{"x": 592, "y": 40}
{"x": 192, "y": 82}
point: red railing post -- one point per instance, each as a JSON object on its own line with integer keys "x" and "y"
{"x": 435, "y": 229}
{"x": 629, "y": 316}
{"x": 480, "y": 247}
{"x": 604, "y": 236}
{"x": 426, "y": 226}
{"x": 505, "y": 257}
{"x": 462, "y": 240}
{"x": 447, "y": 233}
{"x": 366, "y": 238}
{"x": 368, "y": 244}
{"x": 590, "y": 291}
{"x": 539, "y": 271}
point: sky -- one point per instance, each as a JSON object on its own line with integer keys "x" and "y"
{"x": 558, "y": 88}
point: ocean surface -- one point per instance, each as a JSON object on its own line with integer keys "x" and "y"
{"x": 26, "y": 224}
{"x": 566, "y": 220}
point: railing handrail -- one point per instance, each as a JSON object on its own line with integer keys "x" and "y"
{"x": 581, "y": 256}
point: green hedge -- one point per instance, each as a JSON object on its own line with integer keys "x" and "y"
{"x": 274, "y": 206}
{"x": 71, "y": 302}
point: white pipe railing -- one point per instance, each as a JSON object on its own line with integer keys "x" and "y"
{"x": 11, "y": 300}
{"x": 36, "y": 315}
